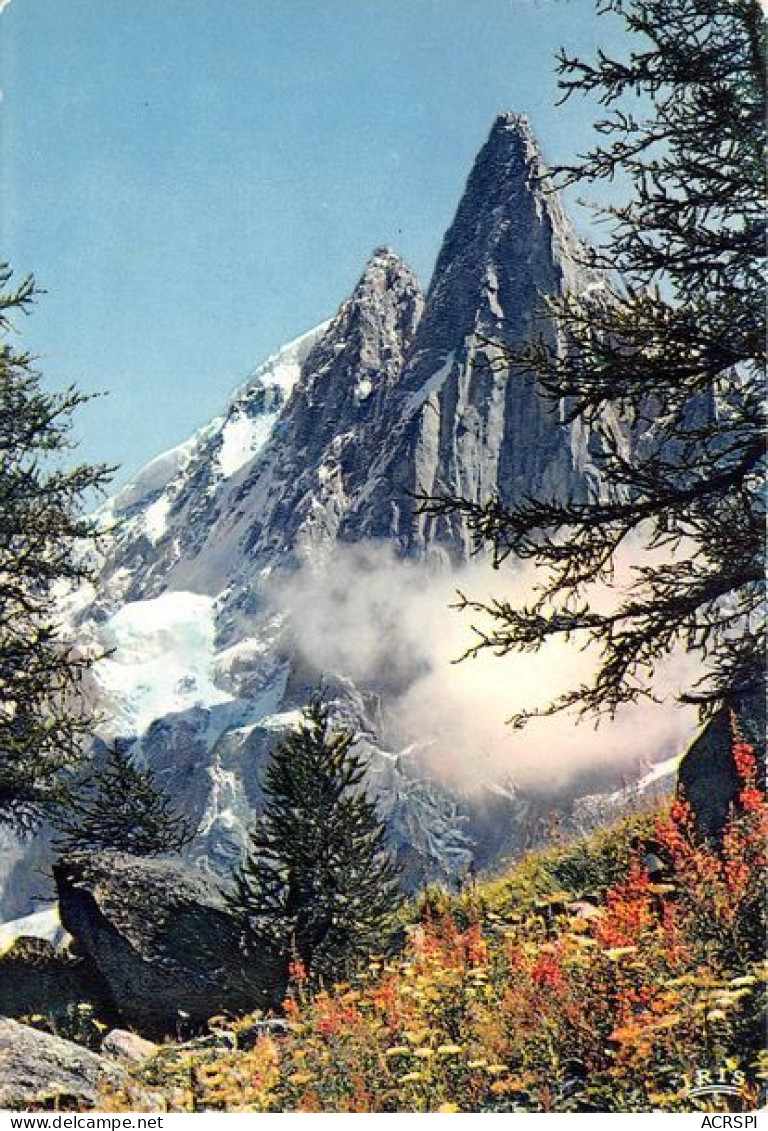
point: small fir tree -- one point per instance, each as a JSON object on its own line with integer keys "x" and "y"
{"x": 318, "y": 888}
{"x": 120, "y": 807}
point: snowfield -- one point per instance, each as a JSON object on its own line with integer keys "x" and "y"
{"x": 163, "y": 660}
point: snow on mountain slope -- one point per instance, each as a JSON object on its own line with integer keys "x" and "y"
{"x": 244, "y": 434}
{"x": 180, "y": 494}
{"x": 161, "y": 660}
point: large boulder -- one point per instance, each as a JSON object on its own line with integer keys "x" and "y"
{"x": 40, "y": 1071}
{"x": 707, "y": 776}
{"x": 163, "y": 938}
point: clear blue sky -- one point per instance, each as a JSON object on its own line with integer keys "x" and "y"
{"x": 194, "y": 182}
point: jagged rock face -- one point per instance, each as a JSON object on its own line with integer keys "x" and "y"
{"x": 279, "y": 472}
{"x": 384, "y": 402}
{"x": 295, "y": 497}
{"x": 469, "y": 424}
{"x": 162, "y": 938}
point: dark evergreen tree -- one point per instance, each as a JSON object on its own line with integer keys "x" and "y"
{"x": 44, "y": 539}
{"x": 121, "y": 807}
{"x": 666, "y": 368}
{"x": 317, "y": 885}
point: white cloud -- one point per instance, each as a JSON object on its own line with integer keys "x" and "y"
{"x": 387, "y": 623}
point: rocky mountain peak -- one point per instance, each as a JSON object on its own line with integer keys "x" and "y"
{"x": 509, "y": 242}
{"x": 510, "y": 125}
{"x": 367, "y": 341}
{"x": 509, "y": 140}
{"x": 383, "y": 268}
{"x": 299, "y": 489}
{"x": 472, "y": 424}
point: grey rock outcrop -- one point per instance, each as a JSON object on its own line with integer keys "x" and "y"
{"x": 42, "y": 1072}
{"x": 162, "y": 937}
{"x": 396, "y": 395}
{"x": 707, "y": 776}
